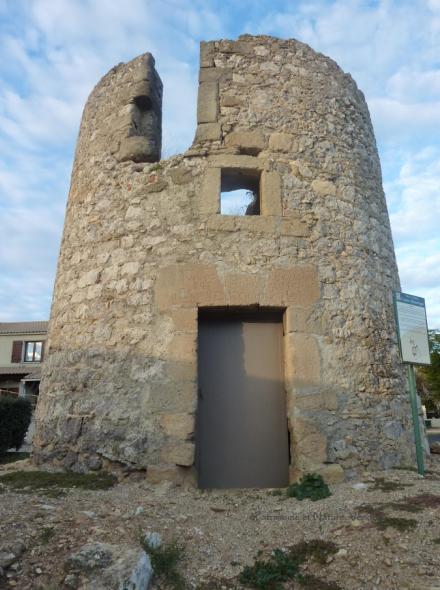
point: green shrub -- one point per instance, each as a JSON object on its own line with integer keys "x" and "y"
{"x": 311, "y": 486}
{"x": 165, "y": 560}
{"x": 270, "y": 573}
{"x": 15, "y": 416}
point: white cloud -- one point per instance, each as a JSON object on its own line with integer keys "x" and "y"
{"x": 415, "y": 195}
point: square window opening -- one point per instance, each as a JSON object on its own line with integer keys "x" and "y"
{"x": 240, "y": 192}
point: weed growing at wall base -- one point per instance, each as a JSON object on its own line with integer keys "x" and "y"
{"x": 311, "y": 486}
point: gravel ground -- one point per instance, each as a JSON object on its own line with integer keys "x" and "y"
{"x": 225, "y": 530}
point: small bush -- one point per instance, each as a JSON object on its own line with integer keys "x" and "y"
{"x": 270, "y": 573}
{"x": 165, "y": 560}
{"x": 15, "y": 417}
{"x": 311, "y": 486}
{"x": 285, "y": 565}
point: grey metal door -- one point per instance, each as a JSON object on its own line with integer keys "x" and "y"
{"x": 241, "y": 436}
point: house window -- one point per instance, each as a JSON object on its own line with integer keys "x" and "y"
{"x": 33, "y": 352}
{"x": 240, "y": 192}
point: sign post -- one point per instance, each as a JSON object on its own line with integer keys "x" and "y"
{"x": 412, "y": 330}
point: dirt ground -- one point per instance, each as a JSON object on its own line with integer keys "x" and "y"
{"x": 387, "y": 531}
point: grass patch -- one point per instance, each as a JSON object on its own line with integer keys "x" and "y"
{"x": 165, "y": 560}
{"x": 47, "y": 534}
{"x": 436, "y": 541}
{"x": 311, "y": 486}
{"x": 401, "y": 524}
{"x": 423, "y": 501}
{"x": 56, "y": 483}
{"x": 316, "y": 549}
{"x": 156, "y": 167}
{"x": 383, "y": 521}
{"x": 405, "y": 468}
{"x": 384, "y": 485}
{"x": 6, "y": 458}
{"x": 285, "y": 565}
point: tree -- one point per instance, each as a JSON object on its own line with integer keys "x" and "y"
{"x": 428, "y": 377}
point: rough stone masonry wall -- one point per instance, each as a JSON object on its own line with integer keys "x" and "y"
{"x": 145, "y": 246}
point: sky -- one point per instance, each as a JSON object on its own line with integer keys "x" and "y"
{"x": 53, "y": 52}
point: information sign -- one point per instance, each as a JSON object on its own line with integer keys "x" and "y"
{"x": 412, "y": 328}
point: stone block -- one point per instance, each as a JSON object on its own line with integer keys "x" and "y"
{"x": 209, "y": 199}
{"x": 250, "y": 141}
{"x": 231, "y": 101}
{"x": 302, "y": 360}
{"x": 293, "y": 226}
{"x": 179, "y": 426}
{"x": 243, "y": 289}
{"x": 256, "y": 223}
{"x": 213, "y": 74}
{"x": 177, "y": 395}
{"x": 270, "y": 194}
{"x": 296, "y": 318}
{"x": 136, "y": 148}
{"x": 207, "y": 52}
{"x": 188, "y": 285}
{"x": 332, "y": 473}
{"x": 324, "y": 187}
{"x": 180, "y": 175}
{"x": 182, "y": 372}
{"x": 309, "y": 445}
{"x": 182, "y": 348}
{"x": 297, "y": 285}
{"x": 280, "y": 142}
{"x": 208, "y": 132}
{"x": 222, "y": 223}
{"x": 168, "y": 473}
{"x": 185, "y": 319}
{"x": 233, "y": 161}
{"x": 207, "y": 102}
{"x": 179, "y": 454}
{"x": 317, "y": 401}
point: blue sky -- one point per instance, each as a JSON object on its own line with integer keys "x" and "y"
{"x": 54, "y": 51}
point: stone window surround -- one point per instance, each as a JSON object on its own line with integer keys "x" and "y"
{"x": 270, "y": 184}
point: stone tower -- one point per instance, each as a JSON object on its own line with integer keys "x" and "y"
{"x": 146, "y": 249}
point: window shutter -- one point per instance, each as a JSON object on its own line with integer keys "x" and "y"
{"x": 17, "y": 348}
{"x": 42, "y": 351}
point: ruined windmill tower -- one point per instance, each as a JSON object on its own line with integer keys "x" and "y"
{"x": 233, "y": 350}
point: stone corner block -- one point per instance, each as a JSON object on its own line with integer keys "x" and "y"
{"x": 270, "y": 194}
{"x": 332, "y": 473}
{"x": 207, "y": 102}
{"x": 207, "y": 52}
{"x": 180, "y": 454}
{"x": 303, "y": 360}
{"x": 208, "y": 132}
{"x": 180, "y": 426}
{"x": 209, "y": 199}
